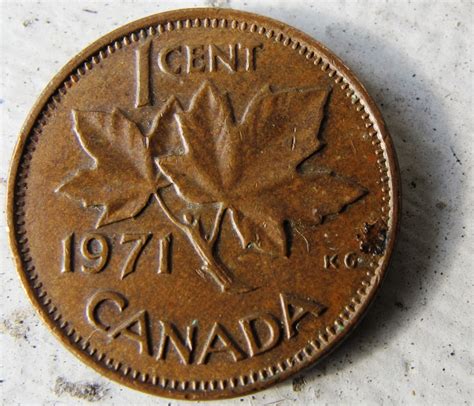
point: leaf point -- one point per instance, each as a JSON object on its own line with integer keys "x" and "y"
{"x": 209, "y": 90}
{"x": 78, "y": 134}
{"x": 171, "y": 106}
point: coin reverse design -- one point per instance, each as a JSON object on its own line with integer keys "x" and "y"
{"x": 202, "y": 203}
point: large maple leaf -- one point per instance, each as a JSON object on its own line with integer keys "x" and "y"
{"x": 251, "y": 166}
{"x": 123, "y": 175}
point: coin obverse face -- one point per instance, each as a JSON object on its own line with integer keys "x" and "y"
{"x": 202, "y": 203}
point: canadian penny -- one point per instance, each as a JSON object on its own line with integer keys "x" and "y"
{"x": 202, "y": 203}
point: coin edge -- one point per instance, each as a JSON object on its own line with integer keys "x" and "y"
{"x": 80, "y": 59}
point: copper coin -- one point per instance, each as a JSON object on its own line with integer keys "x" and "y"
{"x": 202, "y": 203}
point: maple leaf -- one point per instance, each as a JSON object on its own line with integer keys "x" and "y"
{"x": 251, "y": 165}
{"x": 123, "y": 175}
{"x": 163, "y": 134}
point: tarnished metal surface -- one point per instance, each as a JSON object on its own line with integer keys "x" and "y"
{"x": 202, "y": 203}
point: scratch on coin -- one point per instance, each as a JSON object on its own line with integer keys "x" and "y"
{"x": 304, "y": 238}
{"x": 353, "y": 147}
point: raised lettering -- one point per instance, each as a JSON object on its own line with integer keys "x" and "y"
{"x": 350, "y": 260}
{"x": 130, "y": 264}
{"x": 142, "y": 61}
{"x": 251, "y": 56}
{"x": 254, "y": 339}
{"x": 135, "y": 328}
{"x": 330, "y": 261}
{"x": 219, "y": 341}
{"x": 95, "y": 248}
{"x": 217, "y": 56}
{"x": 164, "y": 254}
{"x": 96, "y": 302}
{"x": 166, "y": 63}
{"x": 195, "y": 58}
{"x": 107, "y": 312}
{"x": 170, "y": 336}
{"x": 68, "y": 253}
{"x": 294, "y": 309}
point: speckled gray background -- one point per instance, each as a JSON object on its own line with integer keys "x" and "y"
{"x": 416, "y": 344}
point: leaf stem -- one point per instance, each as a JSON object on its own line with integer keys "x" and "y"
{"x": 211, "y": 268}
{"x": 217, "y": 224}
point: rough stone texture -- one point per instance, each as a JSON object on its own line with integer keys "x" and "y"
{"x": 415, "y": 346}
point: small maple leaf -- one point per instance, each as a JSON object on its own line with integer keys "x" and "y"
{"x": 251, "y": 165}
{"x": 123, "y": 175}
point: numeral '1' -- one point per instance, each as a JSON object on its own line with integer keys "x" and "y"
{"x": 142, "y": 58}
{"x": 67, "y": 245}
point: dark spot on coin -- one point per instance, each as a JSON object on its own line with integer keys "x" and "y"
{"x": 373, "y": 238}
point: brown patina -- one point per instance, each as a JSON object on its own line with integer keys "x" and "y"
{"x": 202, "y": 203}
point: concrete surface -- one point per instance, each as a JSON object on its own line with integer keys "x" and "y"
{"x": 416, "y": 344}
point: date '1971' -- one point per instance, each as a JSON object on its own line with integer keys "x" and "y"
{"x": 94, "y": 250}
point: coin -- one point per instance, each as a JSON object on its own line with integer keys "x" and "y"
{"x": 202, "y": 203}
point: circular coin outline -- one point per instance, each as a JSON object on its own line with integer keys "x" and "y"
{"x": 304, "y": 45}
